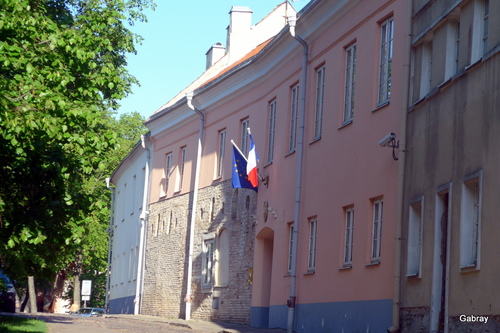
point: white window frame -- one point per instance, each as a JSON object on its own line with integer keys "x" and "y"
{"x": 168, "y": 167}
{"x": 348, "y": 236}
{"x": 180, "y": 169}
{"x": 208, "y": 261}
{"x": 245, "y": 141}
{"x": 415, "y": 237}
{"x": 294, "y": 111}
{"x": 271, "y": 131}
{"x": 350, "y": 75}
{"x": 385, "y": 65}
{"x": 318, "y": 110}
{"x": 220, "y": 153}
{"x": 166, "y": 171}
{"x": 377, "y": 222}
{"x": 311, "y": 256}
{"x": 470, "y": 221}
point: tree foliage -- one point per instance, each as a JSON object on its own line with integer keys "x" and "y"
{"x": 62, "y": 72}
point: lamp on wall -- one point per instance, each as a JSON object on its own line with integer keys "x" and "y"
{"x": 390, "y": 141}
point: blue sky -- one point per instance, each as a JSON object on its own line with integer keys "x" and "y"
{"x": 176, "y": 38}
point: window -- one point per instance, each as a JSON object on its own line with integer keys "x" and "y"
{"x": 318, "y": 112}
{"x": 180, "y": 169}
{"x": 378, "y": 207}
{"x": 348, "y": 240}
{"x": 245, "y": 142}
{"x": 220, "y": 153}
{"x": 208, "y": 260}
{"x": 311, "y": 258}
{"x": 130, "y": 265}
{"x": 470, "y": 221}
{"x": 426, "y": 73}
{"x": 415, "y": 238}
{"x": 385, "y": 68}
{"x": 486, "y": 14}
{"x": 271, "y": 131}
{"x": 293, "y": 118}
{"x": 350, "y": 75}
{"x": 457, "y": 46}
{"x": 132, "y": 196}
{"x": 452, "y": 48}
{"x": 290, "y": 248}
{"x": 166, "y": 174}
{"x": 480, "y": 31}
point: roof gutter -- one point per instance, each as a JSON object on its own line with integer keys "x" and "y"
{"x": 110, "y": 231}
{"x": 396, "y": 303}
{"x": 144, "y": 220}
{"x": 188, "y": 299}
{"x": 292, "y": 20}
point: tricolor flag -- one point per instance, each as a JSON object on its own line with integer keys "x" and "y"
{"x": 253, "y": 177}
{"x": 240, "y": 178}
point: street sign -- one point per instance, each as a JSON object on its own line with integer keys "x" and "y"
{"x": 85, "y": 298}
{"x": 86, "y": 287}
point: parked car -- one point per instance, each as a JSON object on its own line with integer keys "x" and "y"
{"x": 89, "y": 312}
{"x": 7, "y": 294}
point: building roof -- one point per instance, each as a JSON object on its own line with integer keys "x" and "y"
{"x": 224, "y": 65}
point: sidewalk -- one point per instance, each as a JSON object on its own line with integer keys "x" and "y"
{"x": 201, "y": 326}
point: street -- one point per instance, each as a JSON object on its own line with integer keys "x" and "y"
{"x": 70, "y": 324}
{"x": 64, "y": 323}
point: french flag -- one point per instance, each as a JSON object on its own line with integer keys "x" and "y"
{"x": 253, "y": 177}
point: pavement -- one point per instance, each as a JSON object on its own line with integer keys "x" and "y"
{"x": 201, "y": 326}
{"x": 64, "y": 323}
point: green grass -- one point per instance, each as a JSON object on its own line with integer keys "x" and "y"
{"x": 19, "y": 324}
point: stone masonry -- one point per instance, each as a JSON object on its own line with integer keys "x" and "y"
{"x": 220, "y": 207}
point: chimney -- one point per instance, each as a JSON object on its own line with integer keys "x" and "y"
{"x": 216, "y": 52}
{"x": 238, "y": 32}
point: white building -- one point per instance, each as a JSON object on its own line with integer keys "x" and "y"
{"x": 129, "y": 212}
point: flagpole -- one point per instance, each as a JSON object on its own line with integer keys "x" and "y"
{"x": 235, "y": 146}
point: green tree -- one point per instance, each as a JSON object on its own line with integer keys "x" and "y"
{"x": 91, "y": 262}
{"x": 62, "y": 71}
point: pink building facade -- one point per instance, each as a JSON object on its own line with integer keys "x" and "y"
{"x": 313, "y": 250}
{"x": 327, "y": 218}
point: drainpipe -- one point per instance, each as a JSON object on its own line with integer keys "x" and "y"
{"x": 142, "y": 238}
{"x": 396, "y": 303}
{"x": 110, "y": 243}
{"x": 292, "y": 20}
{"x": 188, "y": 299}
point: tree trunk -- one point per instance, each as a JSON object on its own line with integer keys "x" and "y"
{"x": 76, "y": 293}
{"x": 25, "y": 301}
{"x": 32, "y": 294}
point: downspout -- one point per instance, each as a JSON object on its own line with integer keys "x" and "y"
{"x": 142, "y": 238}
{"x": 188, "y": 299}
{"x": 292, "y": 20}
{"x": 396, "y": 303}
{"x": 110, "y": 242}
